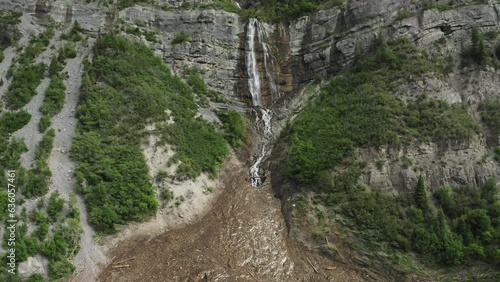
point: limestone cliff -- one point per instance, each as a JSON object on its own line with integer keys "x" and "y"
{"x": 315, "y": 48}
{"x": 324, "y": 43}
{"x": 318, "y": 46}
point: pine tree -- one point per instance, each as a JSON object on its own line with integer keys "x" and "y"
{"x": 421, "y": 200}
{"x": 479, "y": 50}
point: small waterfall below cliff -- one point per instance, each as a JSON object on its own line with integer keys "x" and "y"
{"x": 263, "y": 116}
{"x": 263, "y": 125}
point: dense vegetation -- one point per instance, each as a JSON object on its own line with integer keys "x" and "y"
{"x": 357, "y": 108}
{"x": 200, "y": 89}
{"x": 490, "y": 113}
{"x": 53, "y": 101}
{"x": 35, "y": 182}
{"x": 453, "y": 226}
{"x": 13, "y": 121}
{"x": 10, "y": 148}
{"x": 25, "y": 80}
{"x": 125, "y": 88}
{"x": 234, "y": 127}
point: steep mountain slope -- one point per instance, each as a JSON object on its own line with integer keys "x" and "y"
{"x": 376, "y": 124}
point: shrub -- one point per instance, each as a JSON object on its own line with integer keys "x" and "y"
{"x": 167, "y": 195}
{"x": 75, "y": 33}
{"x": 404, "y": 14}
{"x": 55, "y": 66}
{"x": 227, "y": 6}
{"x": 60, "y": 268}
{"x": 234, "y": 126}
{"x": 478, "y": 53}
{"x": 490, "y": 114}
{"x": 68, "y": 51}
{"x": 25, "y": 80}
{"x": 181, "y": 37}
{"x": 122, "y": 4}
{"x": 37, "y": 277}
{"x": 10, "y": 33}
{"x": 11, "y": 122}
{"x": 44, "y": 124}
{"x": 56, "y": 205}
{"x": 53, "y": 101}
{"x": 44, "y": 148}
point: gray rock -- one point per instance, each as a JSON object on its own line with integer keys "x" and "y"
{"x": 36, "y": 264}
{"x": 213, "y": 47}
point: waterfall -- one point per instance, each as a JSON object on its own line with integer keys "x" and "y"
{"x": 254, "y": 170}
{"x": 252, "y": 70}
{"x": 264, "y": 126}
{"x": 254, "y": 26}
{"x": 267, "y": 60}
{"x": 263, "y": 116}
{"x": 267, "y": 116}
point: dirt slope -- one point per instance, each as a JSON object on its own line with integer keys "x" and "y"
{"x": 242, "y": 238}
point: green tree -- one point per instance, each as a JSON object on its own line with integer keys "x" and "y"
{"x": 479, "y": 50}
{"x": 445, "y": 199}
{"x": 421, "y": 200}
{"x": 56, "y": 205}
{"x": 453, "y": 249}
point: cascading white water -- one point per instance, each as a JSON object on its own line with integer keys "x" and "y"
{"x": 251, "y": 60}
{"x": 267, "y": 116}
{"x": 252, "y": 70}
{"x": 254, "y": 170}
{"x": 263, "y": 122}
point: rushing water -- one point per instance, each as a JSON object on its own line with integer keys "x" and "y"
{"x": 252, "y": 70}
{"x": 263, "y": 125}
{"x": 264, "y": 116}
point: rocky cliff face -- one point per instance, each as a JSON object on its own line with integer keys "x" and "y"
{"x": 318, "y": 46}
{"x": 325, "y": 42}
{"x": 213, "y": 47}
{"x": 322, "y": 44}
